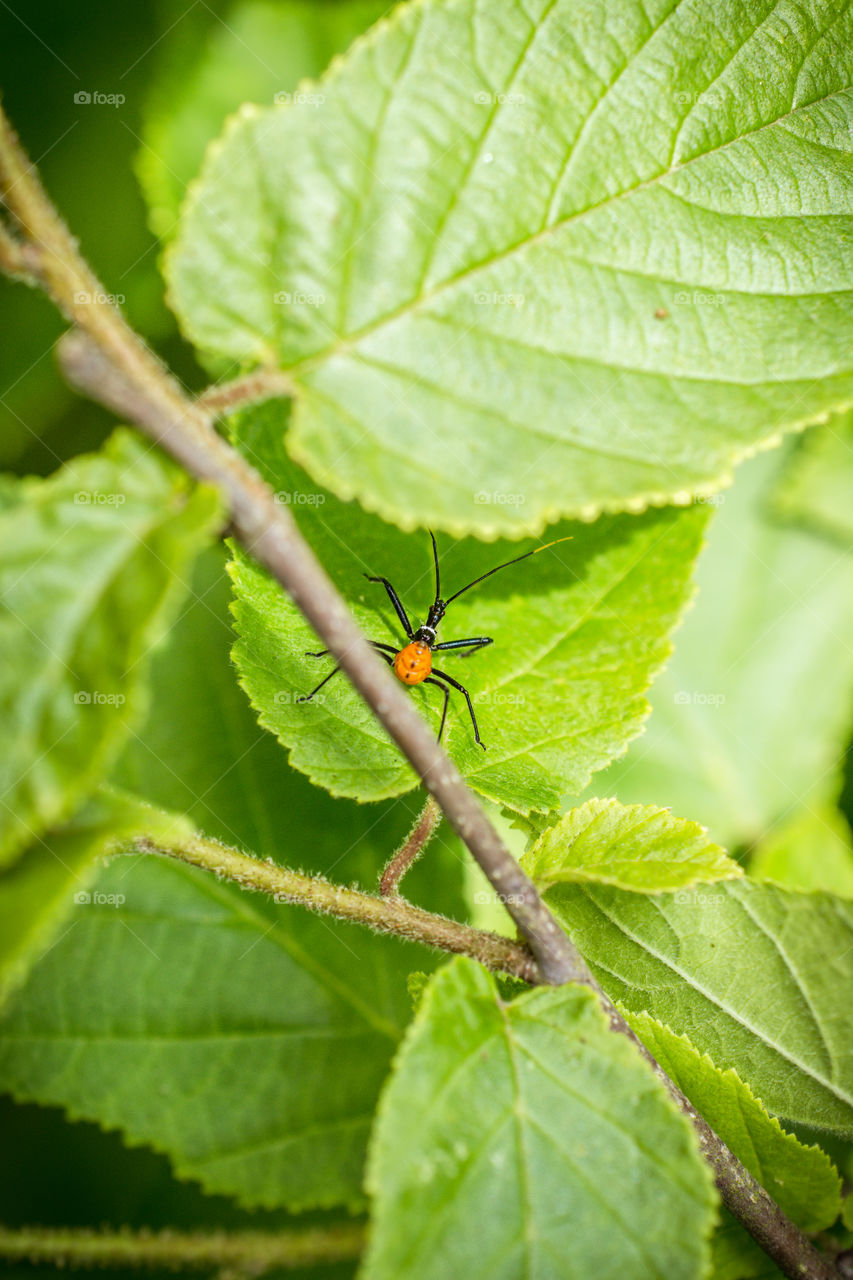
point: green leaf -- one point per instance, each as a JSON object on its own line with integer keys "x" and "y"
{"x": 246, "y": 1040}
{"x": 816, "y": 486}
{"x": 812, "y": 850}
{"x": 579, "y": 633}
{"x": 39, "y": 894}
{"x": 213, "y": 1026}
{"x": 755, "y": 976}
{"x": 741, "y": 731}
{"x": 801, "y": 1179}
{"x": 513, "y": 1139}
{"x": 529, "y": 261}
{"x": 636, "y": 847}
{"x": 259, "y": 55}
{"x": 94, "y": 566}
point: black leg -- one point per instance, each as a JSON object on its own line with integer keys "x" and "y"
{"x": 389, "y": 654}
{"x": 472, "y": 645}
{"x": 429, "y": 680}
{"x": 397, "y": 603}
{"x": 306, "y": 697}
{"x": 456, "y": 685}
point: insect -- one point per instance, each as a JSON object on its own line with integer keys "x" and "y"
{"x": 413, "y": 663}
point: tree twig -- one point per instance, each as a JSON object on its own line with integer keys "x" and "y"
{"x": 412, "y": 847}
{"x": 106, "y": 360}
{"x": 251, "y": 1253}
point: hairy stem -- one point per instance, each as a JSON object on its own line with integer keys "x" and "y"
{"x": 249, "y": 1252}
{"x": 411, "y": 848}
{"x": 385, "y": 915}
{"x": 265, "y": 384}
{"x": 106, "y": 360}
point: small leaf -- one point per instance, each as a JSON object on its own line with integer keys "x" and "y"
{"x": 579, "y": 632}
{"x": 95, "y": 562}
{"x": 741, "y": 729}
{"x": 512, "y": 1140}
{"x": 578, "y": 263}
{"x": 635, "y": 847}
{"x": 39, "y": 894}
{"x": 801, "y": 1179}
{"x": 755, "y": 976}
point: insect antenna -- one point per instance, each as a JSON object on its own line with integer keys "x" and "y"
{"x": 505, "y": 565}
{"x": 435, "y": 558}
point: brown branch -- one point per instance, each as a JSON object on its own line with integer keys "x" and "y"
{"x": 251, "y": 1253}
{"x": 106, "y": 360}
{"x": 411, "y": 848}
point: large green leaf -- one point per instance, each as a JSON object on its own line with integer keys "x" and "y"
{"x": 41, "y": 892}
{"x": 208, "y": 1023}
{"x": 755, "y": 976}
{"x": 213, "y": 1026}
{"x": 94, "y": 564}
{"x": 636, "y": 847}
{"x": 258, "y": 55}
{"x": 802, "y": 1180}
{"x": 525, "y": 1140}
{"x": 579, "y": 633}
{"x": 528, "y": 261}
{"x": 752, "y": 716}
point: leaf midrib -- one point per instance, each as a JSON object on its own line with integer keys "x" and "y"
{"x": 342, "y": 345}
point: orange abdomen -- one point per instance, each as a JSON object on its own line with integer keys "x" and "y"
{"x": 414, "y": 663}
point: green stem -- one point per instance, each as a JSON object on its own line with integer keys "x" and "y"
{"x": 250, "y": 1252}
{"x": 385, "y": 915}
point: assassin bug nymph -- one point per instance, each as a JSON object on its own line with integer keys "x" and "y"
{"x": 413, "y": 663}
